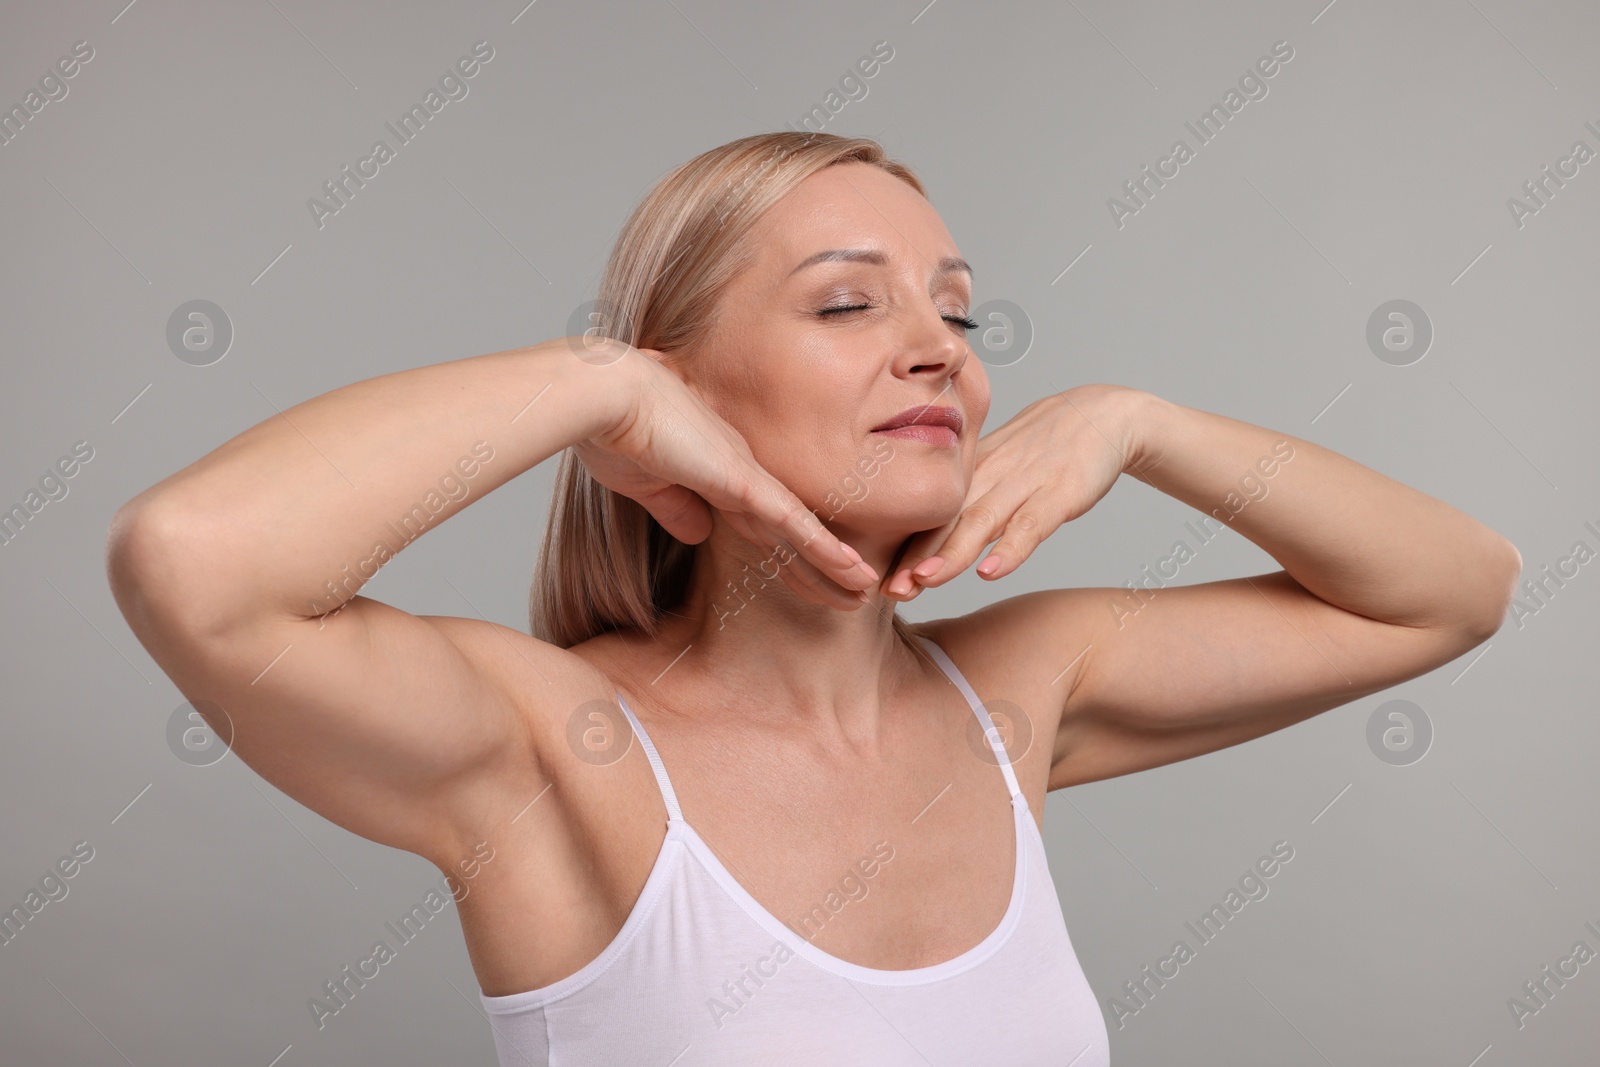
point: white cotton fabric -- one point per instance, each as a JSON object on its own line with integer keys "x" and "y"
{"x": 701, "y": 975}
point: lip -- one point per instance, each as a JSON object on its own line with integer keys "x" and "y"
{"x": 923, "y": 415}
{"x": 933, "y": 435}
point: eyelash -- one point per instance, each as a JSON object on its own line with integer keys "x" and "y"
{"x": 967, "y": 323}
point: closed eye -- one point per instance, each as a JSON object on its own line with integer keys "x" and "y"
{"x": 964, "y": 321}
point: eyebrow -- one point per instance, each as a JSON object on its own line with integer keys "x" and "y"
{"x": 947, "y": 265}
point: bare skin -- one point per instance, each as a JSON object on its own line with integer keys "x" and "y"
{"x": 798, "y": 731}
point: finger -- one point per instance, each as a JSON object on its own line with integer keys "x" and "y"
{"x": 742, "y": 484}
{"x": 899, "y": 583}
{"x": 798, "y": 573}
{"x": 748, "y": 528}
{"x": 801, "y": 576}
{"x": 787, "y": 515}
{"x": 682, "y": 512}
{"x": 764, "y": 511}
{"x": 1023, "y": 533}
{"x": 804, "y": 577}
{"x": 977, "y": 526}
{"x": 924, "y": 556}
{"x": 777, "y": 565}
{"x": 727, "y": 476}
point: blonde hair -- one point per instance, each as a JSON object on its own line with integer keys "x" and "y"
{"x": 605, "y": 562}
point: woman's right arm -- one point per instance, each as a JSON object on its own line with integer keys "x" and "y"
{"x": 239, "y": 575}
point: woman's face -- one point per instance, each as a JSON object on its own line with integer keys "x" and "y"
{"x": 807, "y": 386}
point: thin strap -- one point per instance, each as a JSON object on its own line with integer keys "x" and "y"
{"x": 990, "y": 733}
{"x": 673, "y": 814}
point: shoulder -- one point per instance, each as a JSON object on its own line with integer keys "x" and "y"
{"x": 1027, "y": 651}
{"x": 1025, "y": 636}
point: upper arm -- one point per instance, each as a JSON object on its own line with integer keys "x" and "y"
{"x": 402, "y": 729}
{"x": 1201, "y": 667}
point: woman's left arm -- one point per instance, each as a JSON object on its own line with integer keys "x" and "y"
{"x": 1380, "y": 582}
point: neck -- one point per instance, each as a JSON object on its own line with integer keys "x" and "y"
{"x": 741, "y": 630}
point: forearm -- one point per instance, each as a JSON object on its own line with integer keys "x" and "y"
{"x": 1349, "y": 535}
{"x": 296, "y": 513}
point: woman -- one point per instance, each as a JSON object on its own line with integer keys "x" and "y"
{"x": 785, "y": 446}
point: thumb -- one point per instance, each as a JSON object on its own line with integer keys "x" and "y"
{"x": 680, "y": 511}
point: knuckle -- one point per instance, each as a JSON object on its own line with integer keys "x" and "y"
{"x": 746, "y": 494}
{"x": 981, "y": 515}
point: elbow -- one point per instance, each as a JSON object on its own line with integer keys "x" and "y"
{"x": 150, "y": 559}
{"x": 142, "y": 533}
{"x": 135, "y": 556}
{"x": 1507, "y": 565}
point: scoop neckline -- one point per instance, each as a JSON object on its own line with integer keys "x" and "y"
{"x": 934, "y": 972}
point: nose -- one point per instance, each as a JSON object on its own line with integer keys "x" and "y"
{"x": 934, "y": 348}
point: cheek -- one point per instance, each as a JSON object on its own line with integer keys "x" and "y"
{"x": 974, "y": 390}
{"x": 803, "y": 408}
{"x": 976, "y": 410}
{"x": 792, "y": 437}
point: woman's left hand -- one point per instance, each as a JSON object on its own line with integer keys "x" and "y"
{"x": 1048, "y": 465}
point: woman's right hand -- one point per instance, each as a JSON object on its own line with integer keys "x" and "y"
{"x": 679, "y": 459}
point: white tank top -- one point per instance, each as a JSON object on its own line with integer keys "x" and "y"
{"x": 701, "y": 975}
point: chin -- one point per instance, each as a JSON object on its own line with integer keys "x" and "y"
{"x": 893, "y": 488}
{"x": 896, "y": 514}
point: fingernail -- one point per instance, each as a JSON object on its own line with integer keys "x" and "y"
{"x": 990, "y": 565}
{"x": 854, "y": 556}
{"x": 901, "y": 584}
{"x": 928, "y": 567}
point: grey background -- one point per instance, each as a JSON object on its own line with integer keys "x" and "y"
{"x": 1378, "y": 167}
